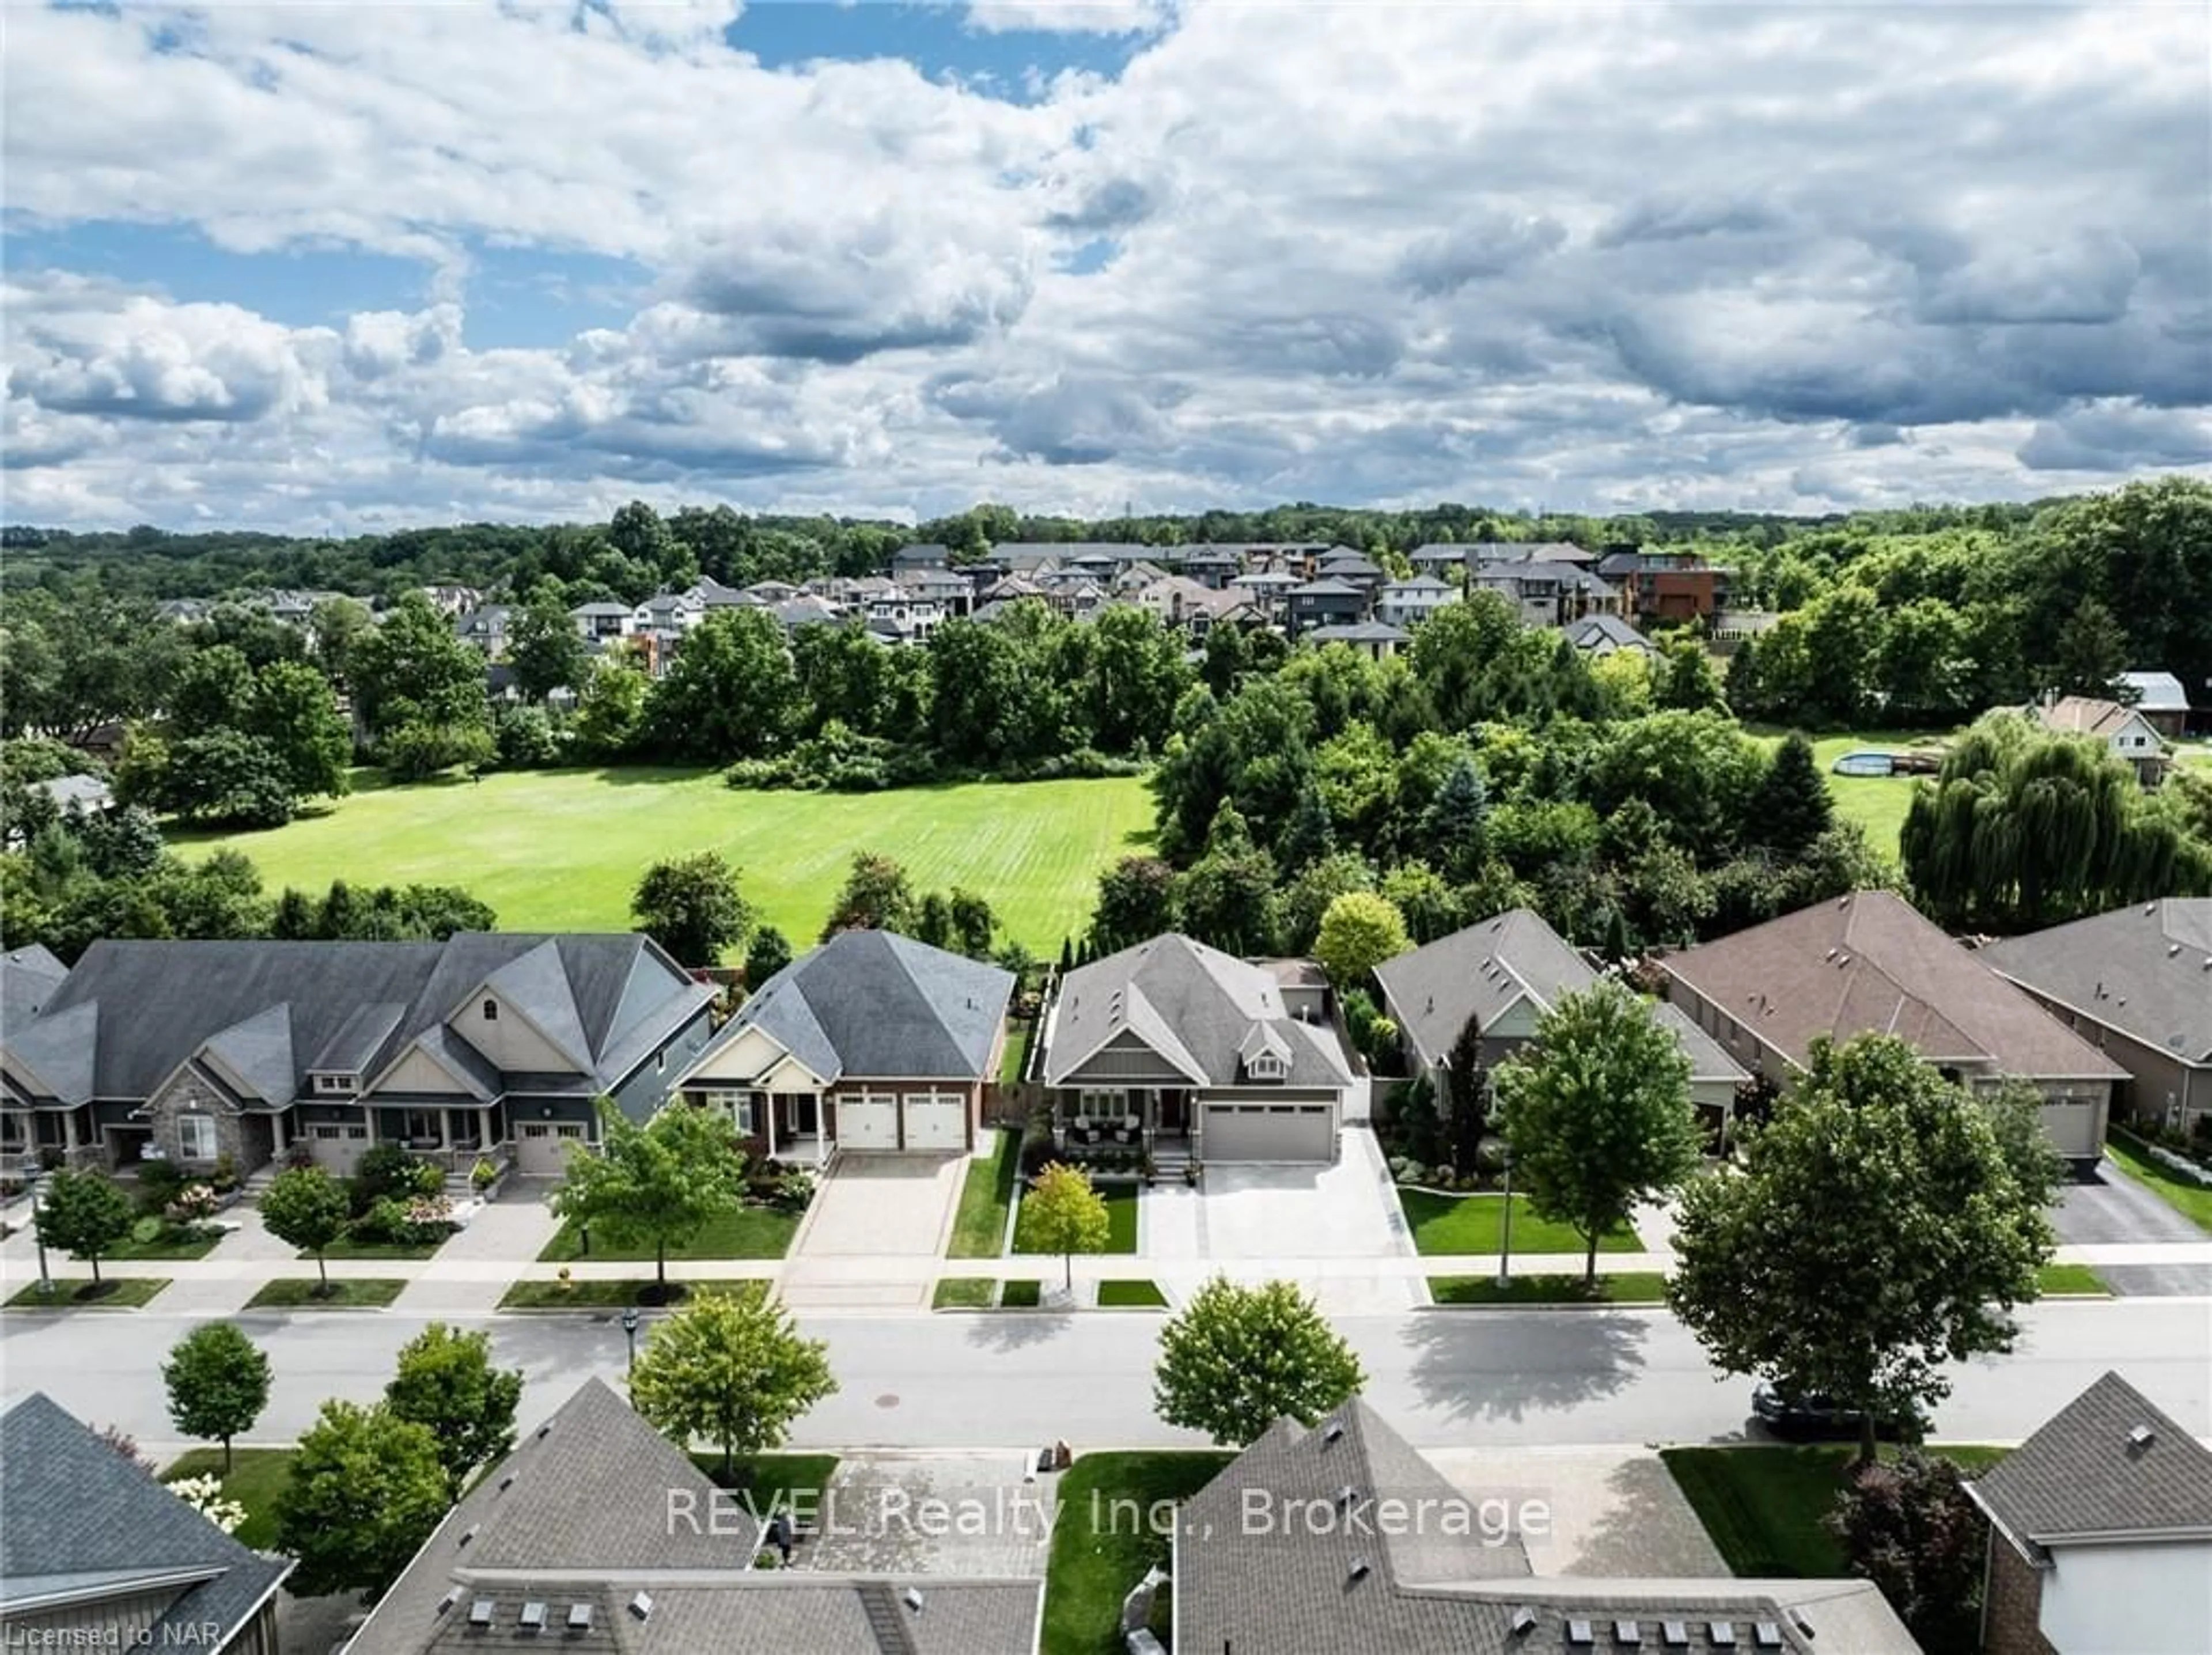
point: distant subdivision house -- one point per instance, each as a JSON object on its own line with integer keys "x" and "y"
{"x": 1869, "y": 963}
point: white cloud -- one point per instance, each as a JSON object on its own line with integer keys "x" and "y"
{"x": 1068, "y": 17}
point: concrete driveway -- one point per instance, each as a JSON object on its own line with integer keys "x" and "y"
{"x": 2114, "y": 1207}
{"x": 1278, "y": 1212}
{"x": 884, "y": 1207}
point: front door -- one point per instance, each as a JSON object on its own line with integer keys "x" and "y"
{"x": 1174, "y": 1111}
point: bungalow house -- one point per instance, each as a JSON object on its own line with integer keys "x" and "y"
{"x": 1506, "y": 972}
{"x": 1340, "y": 1536}
{"x": 1600, "y": 636}
{"x": 486, "y": 1044}
{"x": 1325, "y": 603}
{"x": 2160, "y": 698}
{"x": 1408, "y": 602}
{"x": 2127, "y": 731}
{"x": 1193, "y": 1054}
{"x": 597, "y": 1535}
{"x": 97, "y": 1554}
{"x": 2100, "y": 1533}
{"x": 78, "y": 796}
{"x": 871, "y": 1042}
{"x": 1869, "y": 963}
{"x": 2137, "y": 984}
{"x": 1373, "y": 639}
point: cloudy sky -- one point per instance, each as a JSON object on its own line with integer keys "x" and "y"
{"x": 325, "y": 267}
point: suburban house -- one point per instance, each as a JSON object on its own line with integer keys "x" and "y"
{"x": 97, "y": 1554}
{"x": 953, "y": 593}
{"x": 1182, "y": 603}
{"x": 2126, "y": 730}
{"x": 1506, "y": 972}
{"x": 871, "y": 1042}
{"x": 921, "y": 555}
{"x": 1342, "y": 1536}
{"x": 2160, "y": 698}
{"x": 597, "y": 1535}
{"x": 2100, "y": 1533}
{"x": 1600, "y": 636}
{"x": 1355, "y": 568}
{"x": 1408, "y": 602}
{"x": 2137, "y": 984}
{"x": 1869, "y": 963}
{"x": 596, "y": 623}
{"x": 1212, "y": 566}
{"x": 489, "y": 1043}
{"x": 1325, "y": 603}
{"x": 485, "y": 627}
{"x": 1269, "y": 590}
{"x": 1546, "y": 594}
{"x": 1668, "y": 586}
{"x": 1375, "y": 640}
{"x": 1193, "y": 1054}
{"x": 901, "y": 617}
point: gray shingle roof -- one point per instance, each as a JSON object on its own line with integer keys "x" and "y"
{"x": 876, "y": 1004}
{"x": 133, "y": 1011}
{"x": 1194, "y": 1005}
{"x": 1245, "y": 1579}
{"x": 1593, "y": 630}
{"x": 29, "y": 977}
{"x": 1482, "y": 969}
{"x": 1870, "y": 961}
{"x": 2145, "y": 970}
{"x": 83, "y": 1518}
{"x": 2081, "y": 1475}
{"x": 1360, "y": 632}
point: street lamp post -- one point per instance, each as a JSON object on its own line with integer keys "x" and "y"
{"x": 38, "y": 1192}
{"x": 629, "y": 1328}
{"x": 1505, "y": 1249}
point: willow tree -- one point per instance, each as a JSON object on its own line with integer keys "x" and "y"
{"x": 2022, "y": 829}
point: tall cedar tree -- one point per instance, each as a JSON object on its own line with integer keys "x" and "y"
{"x": 1792, "y": 808}
{"x": 1466, "y": 1087}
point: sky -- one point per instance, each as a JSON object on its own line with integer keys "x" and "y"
{"x": 333, "y": 269}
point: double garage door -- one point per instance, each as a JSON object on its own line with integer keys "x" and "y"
{"x": 934, "y": 1120}
{"x": 1268, "y": 1132}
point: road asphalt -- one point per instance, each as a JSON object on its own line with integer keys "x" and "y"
{"x": 1456, "y": 1378}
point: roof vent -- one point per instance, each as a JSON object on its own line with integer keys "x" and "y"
{"x": 2172, "y": 949}
{"x": 453, "y": 1597}
{"x": 1627, "y": 1634}
{"x": 532, "y": 1618}
{"x": 543, "y": 1429}
{"x": 468, "y": 1534}
{"x": 1830, "y": 954}
{"x": 506, "y": 1483}
{"x": 1346, "y": 1496}
{"x": 480, "y": 1612}
{"x": 2140, "y": 1437}
{"x": 1335, "y": 1432}
{"x": 912, "y": 1598}
{"x": 1766, "y": 1635}
{"x": 579, "y": 1617}
{"x": 1581, "y": 1633}
{"x": 1360, "y": 1568}
{"x": 1721, "y": 1634}
{"x": 641, "y": 1605}
{"x": 1524, "y": 1621}
{"x": 1798, "y": 1619}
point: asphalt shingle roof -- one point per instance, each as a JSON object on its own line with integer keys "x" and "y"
{"x": 878, "y": 1005}
{"x": 80, "y": 1516}
{"x": 29, "y": 977}
{"x": 2145, "y": 970}
{"x": 2082, "y": 1473}
{"x": 1194, "y": 1005}
{"x": 1870, "y": 962}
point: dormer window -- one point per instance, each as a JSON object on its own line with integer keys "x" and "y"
{"x": 341, "y": 1084}
{"x": 491, "y": 1011}
{"x": 1266, "y": 1066}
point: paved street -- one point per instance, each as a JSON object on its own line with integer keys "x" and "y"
{"x": 1446, "y": 1378}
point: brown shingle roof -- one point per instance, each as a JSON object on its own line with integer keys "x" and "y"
{"x": 1869, "y": 963}
{"x": 2085, "y": 1473}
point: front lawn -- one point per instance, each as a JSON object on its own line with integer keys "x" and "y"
{"x": 2072, "y": 1279}
{"x": 1627, "y": 1288}
{"x": 172, "y": 1243}
{"x": 1131, "y": 1295}
{"x": 114, "y": 1293}
{"x": 963, "y": 1293}
{"x": 1121, "y": 1200}
{"x": 979, "y": 1230}
{"x": 1022, "y": 1295}
{"x": 1476, "y": 1224}
{"x": 768, "y": 1480}
{"x": 1763, "y": 1507}
{"x": 748, "y": 1233}
{"x": 2192, "y": 1201}
{"x": 355, "y": 1247}
{"x": 348, "y": 1293}
{"x": 257, "y": 1476}
{"x": 1102, "y": 1541}
{"x": 561, "y": 850}
{"x": 539, "y": 1295}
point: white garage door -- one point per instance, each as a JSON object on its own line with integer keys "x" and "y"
{"x": 1268, "y": 1132}
{"x": 541, "y": 1148}
{"x": 2072, "y": 1125}
{"x": 337, "y": 1147}
{"x": 868, "y": 1121}
{"x": 936, "y": 1120}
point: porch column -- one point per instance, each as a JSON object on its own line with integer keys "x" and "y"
{"x": 768, "y": 1103}
{"x": 69, "y": 1131}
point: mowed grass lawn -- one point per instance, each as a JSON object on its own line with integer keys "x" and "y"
{"x": 1876, "y": 803}
{"x": 1476, "y": 1223}
{"x": 564, "y": 849}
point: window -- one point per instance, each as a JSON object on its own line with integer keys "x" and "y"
{"x": 1266, "y": 1066}
{"x": 491, "y": 1011}
{"x": 339, "y": 1083}
{"x": 195, "y": 1137}
{"x": 1101, "y": 1105}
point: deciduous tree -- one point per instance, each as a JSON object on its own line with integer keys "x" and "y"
{"x": 877, "y": 896}
{"x": 365, "y": 1491}
{"x": 305, "y": 1207}
{"x": 446, "y": 1382}
{"x": 1358, "y": 931}
{"x": 1911, "y": 1528}
{"x": 218, "y": 1383}
{"x": 84, "y": 1214}
{"x": 691, "y": 906}
{"x": 1061, "y": 1214}
{"x": 769, "y": 953}
{"x": 660, "y": 1182}
{"x": 1236, "y": 1360}
{"x": 731, "y": 1370}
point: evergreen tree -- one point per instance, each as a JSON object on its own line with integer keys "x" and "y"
{"x": 2092, "y": 651}
{"x": 1454, "y": 829}
{"x": 1792, "y": 808}
{"x": 1310, "y": 835}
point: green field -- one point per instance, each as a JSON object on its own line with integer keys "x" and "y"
{"x": 562, "y": 850}
{"x": 1876, "y": 803}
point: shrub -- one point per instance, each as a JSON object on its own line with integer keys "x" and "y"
{"x": 225, "y": 1176}
{"x": 389, "y": 1172}
{"x": 1037, "y": 1143}
{"x": 483, "y": 1175}
{"x": 195, "y": 1204}
{"x": 299, "y": 1155}
{"x": 159, "y": 1182}
{"x": 147, "y": 1230}
{"x": 794, "y": 1191}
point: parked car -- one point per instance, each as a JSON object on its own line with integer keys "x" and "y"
{"x": 1788, "y": 1411}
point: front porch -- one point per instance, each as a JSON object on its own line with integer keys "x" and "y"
{"x": 1111, "y": 1123}
{"x": 789, "y": 1127}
